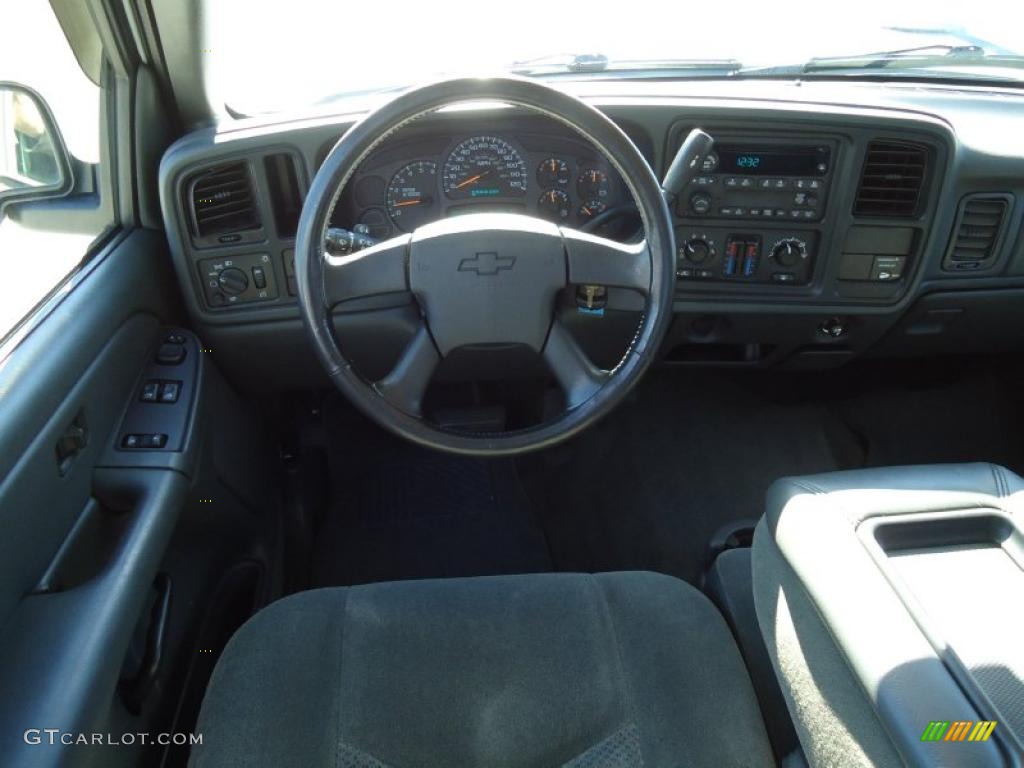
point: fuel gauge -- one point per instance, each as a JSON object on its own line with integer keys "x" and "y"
{"x": 553, "y": 173}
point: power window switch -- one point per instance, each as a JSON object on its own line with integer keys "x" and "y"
{"x": 153, "y": 441}
{"x": 170, "y": 391}
{"x": 150, "y": 392}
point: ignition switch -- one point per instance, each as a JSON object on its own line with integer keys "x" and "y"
{"x": 591, "y": 297}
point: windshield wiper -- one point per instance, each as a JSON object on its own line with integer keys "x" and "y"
{"x": 884, "y": 58}
{"x": 596, "y": 62}
{"x": 572, "y": 62}
{"x": 895, "y": 62}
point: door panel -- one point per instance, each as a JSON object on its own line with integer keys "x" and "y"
{"x": 80, "y": 545}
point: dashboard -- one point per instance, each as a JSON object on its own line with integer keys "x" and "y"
{"x": 417, "y": 181}
{"x": 834, "y": 220}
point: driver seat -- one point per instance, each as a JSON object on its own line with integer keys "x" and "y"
{"x": 613, "y": 670}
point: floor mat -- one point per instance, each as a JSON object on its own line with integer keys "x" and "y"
{"x": 689, "y": 452}
{"x": 398, "y": 511}
{"x": 694, "y": 450}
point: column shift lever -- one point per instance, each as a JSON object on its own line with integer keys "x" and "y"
{"x": 686, "y": 163}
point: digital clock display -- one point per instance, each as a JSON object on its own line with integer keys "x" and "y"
{"x": 773, "y": 161}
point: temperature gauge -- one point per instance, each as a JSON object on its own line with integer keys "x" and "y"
{"x": 593, "y": 184}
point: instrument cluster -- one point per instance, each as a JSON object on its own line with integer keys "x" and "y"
{"x": 556, "y": 178}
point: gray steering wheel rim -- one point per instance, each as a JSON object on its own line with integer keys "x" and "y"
{"x": 369, "y": 133}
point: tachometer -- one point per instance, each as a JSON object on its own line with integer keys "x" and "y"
{"x": 482, "y": 167}
{"x": 410, "y": 195}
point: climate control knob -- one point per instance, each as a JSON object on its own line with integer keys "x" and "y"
{"x": 789, "y": 252}
{"x": 233, "y": 281}
{"x": 697, "y": 251}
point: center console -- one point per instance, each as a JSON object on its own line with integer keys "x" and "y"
{"x": 890, "y": 601}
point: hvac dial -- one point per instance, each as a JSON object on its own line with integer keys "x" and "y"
{"x": 789, "y": 252}
{"x": 482, "y": 167}
{"x": 410, "y": 195}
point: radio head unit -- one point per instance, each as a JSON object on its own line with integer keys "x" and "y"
{"x": 786, "y": 161}
{"x": 740, "y": 180}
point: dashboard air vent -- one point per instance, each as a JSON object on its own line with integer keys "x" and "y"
{"x": 978, "y": 232}
{"x": 892, "y": 180}
{"x": 223, "y": 200}
{"x": 285, "y": 198}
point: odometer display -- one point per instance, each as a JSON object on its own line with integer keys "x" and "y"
{"x": 484, "y": 167}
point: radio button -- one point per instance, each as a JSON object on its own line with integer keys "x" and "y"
{"x": 780, "y": 213}
{"x": 726, "y": 211}
{"x": 746, "y": 182}
{"x": 808, "y": 184}
{"x": 700, "y": 203}
{"x": 732, "y": 182}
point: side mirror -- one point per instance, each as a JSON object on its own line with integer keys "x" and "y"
{"x": 34, "y": 163}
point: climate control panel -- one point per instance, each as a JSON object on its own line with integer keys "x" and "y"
{"x": 775, "y": 257}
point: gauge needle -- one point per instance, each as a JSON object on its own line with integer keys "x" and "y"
{"x": 404, "y": 203}
{"x": 471, "y": 179}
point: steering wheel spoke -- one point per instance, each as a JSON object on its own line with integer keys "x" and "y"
{"x": 379, "y": 269}
{"x": 594, "y": 260}
{"x": 578, "y": 377}
{"x": 406, "y": 384}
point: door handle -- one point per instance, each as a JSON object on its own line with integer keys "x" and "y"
{"x": 74, "y": 439}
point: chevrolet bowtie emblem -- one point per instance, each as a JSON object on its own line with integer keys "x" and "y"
{"x": 488, "y": 263}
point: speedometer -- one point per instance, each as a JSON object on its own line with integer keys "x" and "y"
{"x": 482, "y": 167}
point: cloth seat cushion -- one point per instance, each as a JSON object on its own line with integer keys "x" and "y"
{"x": 608, "y": 670}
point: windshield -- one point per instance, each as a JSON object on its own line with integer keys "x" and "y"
{"x": 270, "y": 56}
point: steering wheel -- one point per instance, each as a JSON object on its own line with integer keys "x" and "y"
{"x": 486, "y": 278}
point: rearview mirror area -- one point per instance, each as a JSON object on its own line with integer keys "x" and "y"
{"x": 33, "y": 161}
